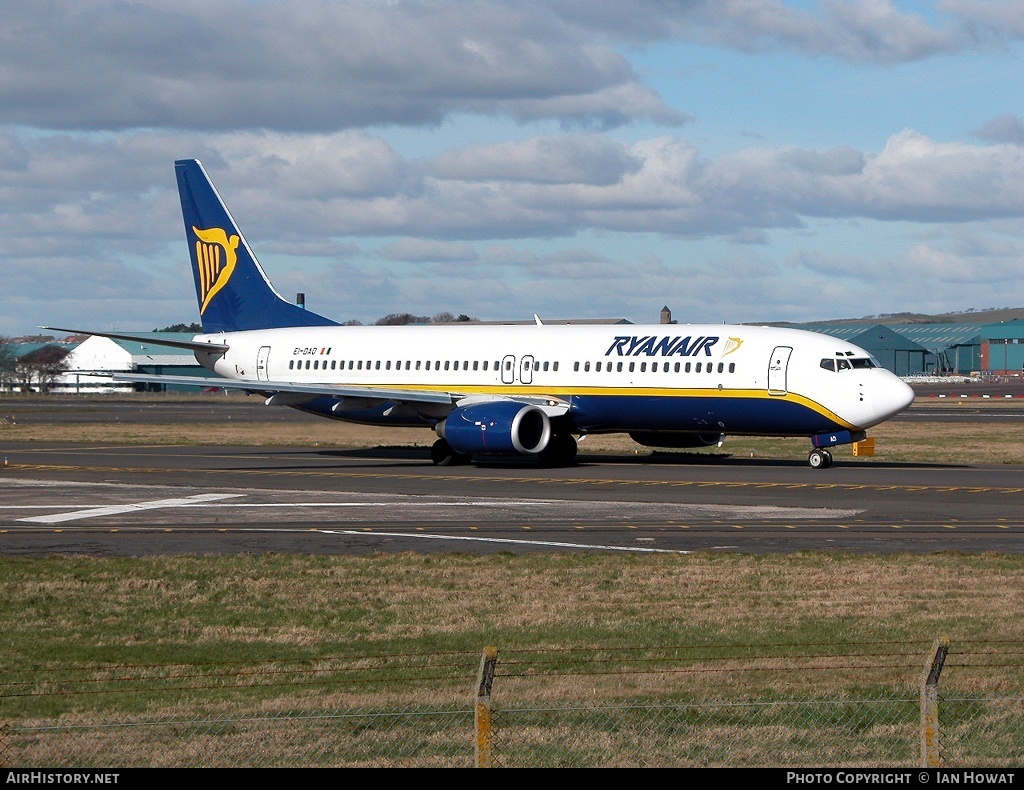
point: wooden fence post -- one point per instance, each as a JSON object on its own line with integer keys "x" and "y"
{"x": 930, "y": 757}
{"x": 482, "y": 716}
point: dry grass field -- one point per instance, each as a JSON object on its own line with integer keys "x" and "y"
{"x": 248, "y": 610}
{"x": 921, "y": 441}
{"x": 276, "y": 631}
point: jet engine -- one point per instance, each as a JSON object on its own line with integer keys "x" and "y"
{"x": 500, "y": 427}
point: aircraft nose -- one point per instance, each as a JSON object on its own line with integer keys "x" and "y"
{"x": 893, "y": 398}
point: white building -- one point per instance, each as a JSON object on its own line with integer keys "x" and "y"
{"x": 88, "y": 361}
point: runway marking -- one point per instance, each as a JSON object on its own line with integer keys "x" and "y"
{"x": 108, "y": 510}
{"x": 335, "y": 472}
{"x": 557, "y": 544}
{"x": 417, "y": 504}
{"x": 7, "y": 529}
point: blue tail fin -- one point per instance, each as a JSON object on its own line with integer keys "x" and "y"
{"x": 232, "y": 289}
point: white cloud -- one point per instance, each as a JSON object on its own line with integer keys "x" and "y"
{"x": 305, "y": 65}
{"x": 998, "y": 20}
{"x": 1006, "y": 128}
{"x": 920, "y": 179}
{"x": 353, "y": 184}
{"x": 299, "y": 110}
{"x": 414, "y": 250}
{"x": 853, "y": 30}
{"x": 62, "y": 192}
{"x": 568, "y": 159}
{"x": 324, "y": 65}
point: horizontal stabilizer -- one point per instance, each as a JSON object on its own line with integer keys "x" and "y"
{"x": 191, "y": 345}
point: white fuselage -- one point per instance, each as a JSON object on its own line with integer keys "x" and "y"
{"x": 673, "y": 377}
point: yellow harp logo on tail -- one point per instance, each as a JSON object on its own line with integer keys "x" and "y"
{"x": 216, "y": 258}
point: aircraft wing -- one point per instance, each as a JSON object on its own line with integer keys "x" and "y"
{"x": 263, "y": 387}
{"x": 552, "y": 406}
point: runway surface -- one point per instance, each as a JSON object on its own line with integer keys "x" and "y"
{"x": 111, "y": 499}
{"x": 130, "y": 500}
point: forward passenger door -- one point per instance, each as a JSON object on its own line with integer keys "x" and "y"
{"x": 777, "y": 367}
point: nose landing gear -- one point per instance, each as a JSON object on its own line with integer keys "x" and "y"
{"x": 819, "y": 458}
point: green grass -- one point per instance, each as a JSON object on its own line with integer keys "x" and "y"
{"x": 84, "y": 635}
{"x": 162, "y": 634}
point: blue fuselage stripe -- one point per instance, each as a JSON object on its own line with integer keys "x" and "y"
{"x": 596, "y": 413}
{"x": 735, "y": 415}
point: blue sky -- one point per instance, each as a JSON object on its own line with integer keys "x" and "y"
{"x": 738, "y": 160}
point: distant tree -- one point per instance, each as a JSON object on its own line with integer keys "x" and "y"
{"x": 352, "y": 322}
{"x": 41, "y": 367}
{"x": 193, "y": 327}
{"x": 401, "y": 319}
{"x": 8, "y": 361}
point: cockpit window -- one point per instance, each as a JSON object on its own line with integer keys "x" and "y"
{"x": 849, "y": 363}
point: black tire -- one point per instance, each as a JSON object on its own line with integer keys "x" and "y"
{"x": 442, "y": 454}
{"x": 818, "y": 459}
{"x": 561, "y": 451}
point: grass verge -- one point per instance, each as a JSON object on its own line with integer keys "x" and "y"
{"x": 91, "y": 634}
{"x": 161, "y": 634}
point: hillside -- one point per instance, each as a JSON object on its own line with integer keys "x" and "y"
{"x": 972, "y": 316}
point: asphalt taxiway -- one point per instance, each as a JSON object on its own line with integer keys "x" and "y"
{"x": 110, "y": 499}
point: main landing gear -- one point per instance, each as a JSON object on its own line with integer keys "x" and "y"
{"x": 560, "y": 451}
{"x": 819, "y": 458}
{"x": 442, "y": 454}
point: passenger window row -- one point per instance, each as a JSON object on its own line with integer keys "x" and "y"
{"x": 655, "y": 367}
{"x": 430, "y": 364}
{"x": 538, "y": 366}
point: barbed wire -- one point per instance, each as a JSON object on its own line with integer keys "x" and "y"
{"x": 430, "y": 667}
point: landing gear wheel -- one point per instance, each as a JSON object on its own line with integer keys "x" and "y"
{"x": 561, "y": 451}
{"x": 819, "y": 459}
{"x": 442, "y": 454}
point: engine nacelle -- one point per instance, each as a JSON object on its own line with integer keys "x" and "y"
{"x": 676, "y": 440}
{"x": 500, "y": 427}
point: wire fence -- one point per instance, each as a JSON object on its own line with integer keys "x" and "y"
{"x": 840, "y": 732}
{"x": 411, "y": 737}
{"x": 595, "y": 707}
